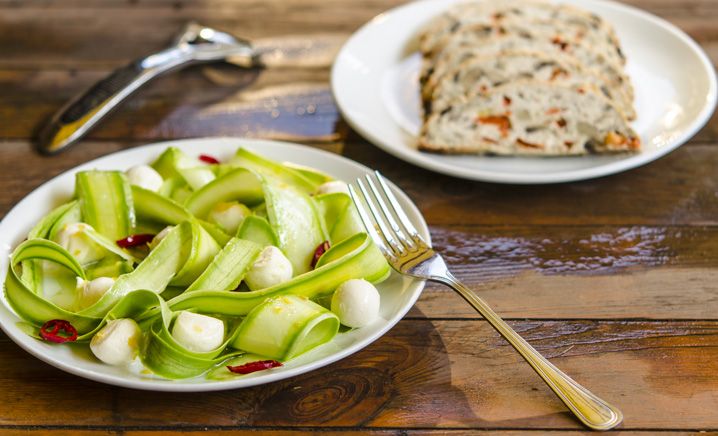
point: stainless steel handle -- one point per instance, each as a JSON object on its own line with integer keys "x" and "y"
{"x": 81, "y": 114}
{"x": 194, "y": 44}
{"x": 590, "y": 409}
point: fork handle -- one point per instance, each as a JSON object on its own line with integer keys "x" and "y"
{"x": 591, "y": 410}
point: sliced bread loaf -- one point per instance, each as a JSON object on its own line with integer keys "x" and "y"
{"x": 468, "y": 44}
{"x": 530, "y": 118}
{"x": 575, "y": 23}
{"x": 482, "y": 73}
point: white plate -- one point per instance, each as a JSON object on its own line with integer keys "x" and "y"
{"x": 375, "y": 84}
{"x": 398, "y": 293}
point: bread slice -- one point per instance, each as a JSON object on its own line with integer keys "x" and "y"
{"x": 572, "y": 21}
{"x": 530, "y": 118}
{"x": 468, "y": 44}
{"x": 482, "y": 73}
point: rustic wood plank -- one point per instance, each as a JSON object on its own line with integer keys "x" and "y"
{"x": 657, "y": 293}
{"x": 53, "y": 431}
{"x": 53, "y": 38}
{"x": 676, "y": 190}
{"x": 423, "y": 374}
{"x": 579, "y": 272}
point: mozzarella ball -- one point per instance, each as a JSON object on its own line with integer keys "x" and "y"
{"x": 356, "y": 303}
{"x": 117, "y": 342}
{"x": 73, "y": 239}
{"x": 198, "y": 333}
{"x": 333, "y": 186}
{"x": 145, "y": 177}
{"x": 88, "y": 292}
{"x": 271, "y": 268}
{"x": 160, "y": 236}
{"x": 229, "y": 216}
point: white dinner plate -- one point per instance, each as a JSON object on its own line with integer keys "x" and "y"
{"x": 375, "y": 84}
{"x": 398, "y": 293}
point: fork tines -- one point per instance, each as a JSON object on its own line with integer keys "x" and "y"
{"x": 386, "y": 222}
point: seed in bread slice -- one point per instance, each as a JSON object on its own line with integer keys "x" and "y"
{"x": 482, "y": 73}
{"x": 530, "y": 118}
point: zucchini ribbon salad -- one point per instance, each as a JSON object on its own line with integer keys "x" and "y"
{"x": 195, "y": 266}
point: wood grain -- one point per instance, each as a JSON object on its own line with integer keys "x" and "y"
{"x": 205, "y": 431}
{"x": 422, "y": 374}
{"x": 614, "y": 279}
{"x": 300, "y": 432}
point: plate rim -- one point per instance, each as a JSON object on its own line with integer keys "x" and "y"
{"x": 26, "y": 342}
{"x": 424, "y": 160}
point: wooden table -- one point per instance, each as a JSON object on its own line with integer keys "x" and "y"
{"x": 615, "y": 280}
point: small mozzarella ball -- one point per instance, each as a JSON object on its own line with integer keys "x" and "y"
{"x": 118, "y": 341}
{"x": 70, "y": 232}
{"x": 91, "y": 291}
{"x": 198, "y": 333}
{"x": 356, "y": 303}
{"x": 145, "y": 177}
{"x": 229, "y": 216}
{"x": 333, "y": 186}
{"x": 73, "y": 239}
{"x": 271, "y": 268}
{"x": 160, "y": 236}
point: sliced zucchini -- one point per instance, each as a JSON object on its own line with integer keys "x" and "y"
{"x": 257, "y": 229}
{"x": 106, "y": 201}
{"x": 203, "y": 249}
{"x": 150, "y": 206}
{"x": 171, "y": 161}
{"x": 196, "y": 177}
{"x": 154, "y": 273}
{"x": 266, "y": 167}
{"x": 296, "y": 222}
{"x": 317, "y": 177}
{"x": 237, "y": 185}
{"x": 228, "y": 267}
{"x": 340, "y": 216}
{"x": 286, "y": 326}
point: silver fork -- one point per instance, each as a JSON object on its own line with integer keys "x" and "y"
{"x": 409, "y": 254}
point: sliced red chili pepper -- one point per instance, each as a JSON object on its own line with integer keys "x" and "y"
{"x": 58, "y": 331}
{"x": 321, "y": 249}
{"x": 250, "y": 367}
{"x": 208, "y": 159}
{"x": 135, "y": 240}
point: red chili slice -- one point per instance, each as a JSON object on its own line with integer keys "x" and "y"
{"x": 58, "y": 331}
{"x": 135, "y": 240}
{"x": 250, "y": 367}
{"x": 502, "y": 122}
{"x": 321, "y": 249}
{"x": 208, "y": 159}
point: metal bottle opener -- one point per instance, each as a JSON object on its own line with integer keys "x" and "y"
{"x": 195, "y": 44}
